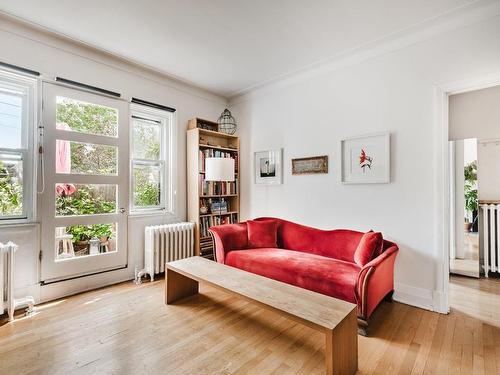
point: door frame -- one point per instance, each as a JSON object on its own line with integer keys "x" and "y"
{"x": 442, "y": 93}
{"x": 121, "y": 142}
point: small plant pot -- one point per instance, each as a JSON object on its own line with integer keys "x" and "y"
{"x": 467, "y": 227}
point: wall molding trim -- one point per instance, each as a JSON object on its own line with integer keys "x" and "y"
{"x": 427, "y": 299}
{"x": 37, "y": 33}
{"x": 410, "y": 295}
{"x": 463, "y": 17}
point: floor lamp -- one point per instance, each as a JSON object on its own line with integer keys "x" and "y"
{"x": 219, "y": 170}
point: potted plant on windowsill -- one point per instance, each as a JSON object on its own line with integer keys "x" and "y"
{"x": 102, "y": 231}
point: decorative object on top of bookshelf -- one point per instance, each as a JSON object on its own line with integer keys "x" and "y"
{"x": 227, "y": 123}
{"x": 311, "y": 165}
{"x": 268, "y": 167}
{"x": 203, "y": 124}
{"x": 366, "y": 159}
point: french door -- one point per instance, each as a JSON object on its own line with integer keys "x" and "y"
{"x": 85, "y": 197}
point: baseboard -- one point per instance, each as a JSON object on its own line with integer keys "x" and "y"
{"x": 440, "y": 302}
{"x": 30, "y": 290}
{"x": 61, "y": 289}
{"x": 414, "y": 296}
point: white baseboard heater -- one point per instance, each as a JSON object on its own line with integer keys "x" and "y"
{"x": 165, "y": 243}
{"x": 491, "y": 237}
{"x": 7, "y": 300}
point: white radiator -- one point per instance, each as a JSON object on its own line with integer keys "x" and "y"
{"x": 165, "y": 243}
{"x": 491, "y": 237}
{"x": 7, "y": 300}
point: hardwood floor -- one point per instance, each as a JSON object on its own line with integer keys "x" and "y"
{"x": 127, "y": 329}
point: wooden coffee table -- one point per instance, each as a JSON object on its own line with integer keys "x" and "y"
{"x": 336, "y": 318}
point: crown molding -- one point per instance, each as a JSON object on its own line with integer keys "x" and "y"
{"x": 37, "y": 33}
{"x": 459, "y": 18}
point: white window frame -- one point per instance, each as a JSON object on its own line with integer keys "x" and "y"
{"x": 165, "y": 119}
{"x": 27, "y": 86}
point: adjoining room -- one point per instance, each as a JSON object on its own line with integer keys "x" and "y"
{"x": 249, "y": 187}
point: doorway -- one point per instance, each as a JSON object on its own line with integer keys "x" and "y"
{"x": 464, "y": 208}
{"x": 85, "y": 193}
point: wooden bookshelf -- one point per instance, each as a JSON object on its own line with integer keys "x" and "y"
{"x": 209, "y": 143}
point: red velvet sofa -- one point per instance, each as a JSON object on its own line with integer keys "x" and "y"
{"x": 325, "y": 261}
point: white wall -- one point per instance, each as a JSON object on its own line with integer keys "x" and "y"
{"x": 54, "y": 56}
{"x": 488, "y": 170}
{"x": 309, "y": 114}
{"x": 475, "y": 114}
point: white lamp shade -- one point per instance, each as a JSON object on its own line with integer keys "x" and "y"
{"x": 219, "y": 169}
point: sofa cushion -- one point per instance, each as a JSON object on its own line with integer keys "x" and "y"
{"x": 262, "y": 233}
{"x": 368, "y": 247}
{"x": 320, "y": 274}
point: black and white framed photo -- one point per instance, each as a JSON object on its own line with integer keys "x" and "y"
{"x": 268, "y": 167}
{"x": 366, "y": 159}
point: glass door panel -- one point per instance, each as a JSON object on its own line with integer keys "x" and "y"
{"x": 85, "y": 158}
{"x": 85, "y": 199}
{"x": 86, "y": 183}
{"x": 89, "y": 118}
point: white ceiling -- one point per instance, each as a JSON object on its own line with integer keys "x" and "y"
{"x": 228, "y": 46}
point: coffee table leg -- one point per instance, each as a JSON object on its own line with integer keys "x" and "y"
{"x": 342, "y": 347}
{"x": 178, "y": 286}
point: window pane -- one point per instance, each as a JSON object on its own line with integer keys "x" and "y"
{"x": 74, "y": 115}
{"x": 11, "y": 120}
{"x": 80, "y": 199}
{"x": 85, "y": 158}
{"x": 146, "y": 188}
{"x": 84, "y": 240}
{"x": 146, "y": 139}
{"x": 11, "y": 185}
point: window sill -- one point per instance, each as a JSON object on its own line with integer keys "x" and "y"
{"x": 18, "y": 223}
{"x": 146, "y": 213}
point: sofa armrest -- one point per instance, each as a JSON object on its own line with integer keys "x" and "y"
{"x": 375, "y": 281}
{"x": 229, "y": 237}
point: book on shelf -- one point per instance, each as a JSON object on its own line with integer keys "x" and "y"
{"x": 219, "y": 207}
{"x": 217, "y": 187}
{"x": 209, "y": 221}
{"x": 211, "y": 153}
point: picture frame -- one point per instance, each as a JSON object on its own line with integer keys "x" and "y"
{"x": 366, "y": 159}
{"x": 310, "y": 165}
{"x": 268, "y": 167}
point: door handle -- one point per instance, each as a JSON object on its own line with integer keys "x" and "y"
{"x": 122, "y": 210}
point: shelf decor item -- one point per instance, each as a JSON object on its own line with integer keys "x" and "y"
{"x": 366, "y": 159}
{"x": 227, "y": 123}
{"x": 268, "y": 167}
{"x": 203, "y": 124}
{"x": 210, "y": 202}
{"x": 312, "y": 165}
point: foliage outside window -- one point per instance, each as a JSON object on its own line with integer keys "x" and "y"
{"x": 149, "y": 130}
{"x": 11, "y": 188}
{"x": 88, "y": 118}
{"x": 85, "y": 199}
{"x": 16, "y": 146}
{"x": 470, "y": 190}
